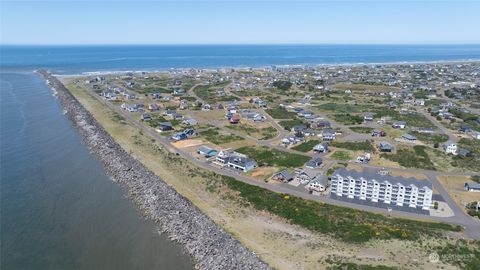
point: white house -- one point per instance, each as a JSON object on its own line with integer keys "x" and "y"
{"x": 450, "y": 148}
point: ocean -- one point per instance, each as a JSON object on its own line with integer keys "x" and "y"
{"x": 59, "y": 210}
{"x": 78, "y": 59}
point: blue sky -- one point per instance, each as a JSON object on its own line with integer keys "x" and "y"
{"x": 240, "y": 22}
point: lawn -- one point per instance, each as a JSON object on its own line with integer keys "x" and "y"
{"x": 288, "y": 124}
{"x": 306, "y": 146}
{"x": 280, "y": 113}
{"x": 354, "y": 146}
{"x": 346, "y": 224}
{"x": 348, "y": 119}
{"x": 364, "y": 130}
{"x": 258, "y": 133}
{"x": 412, "y": 119}
{"x": 265, "y": 156}
{"x": 430, "y": 138}
{"x": 341, "y": 155}
{"x": 212, "y": 135}
{"x": 416, "y": 158}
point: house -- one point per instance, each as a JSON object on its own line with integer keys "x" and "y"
{"x": 183, "y": 105}
{"x": 472, "y": 187}
{"x": 463, "y": 152}
{"x": 207, "y": 151}
{"x": 206, "y": 107}
{"x": 179, "y": 136}
{"x": 465, "y": 128}
{"x": 426, "y": 130}
{"x": 164, "y": 126}
{"x": 190, "y": 132}
{"x": 399, "y": 124}
{"x": 153, "y": 107}
{"x": 304, "y": 113}
{"x": 237, "y": 161}
{"x": 365, "y": 158}
{"x": 321, "y": 124}
{"x": 305, "y": 176}
{"x": 129, "y": 107}
{"x": 283, "y": 176}
{"x": 368, "y": 117}
{"x": 190, "y": 122}
{"x": 420, "y": 102}
{"x": 385, "y": 147}
{"x": 178, "y": 91}
{"x": 450, "y": 148}
{"x": 321, "y": 148}
{"x": 313, "y": 163}
{"x": 408, "y": 137}
{"x": 169, "y": 113}
{"x": 145, "y": 117}
{"x": 308, "y": 132}
{"x": 379, "y": 133}
{"x": 299, "y": 128}
{"x": 475, "y": 135}
{"x": 235, "y": 119}
{"x": 318, "y": 184}
{"x": 328, "y": 134}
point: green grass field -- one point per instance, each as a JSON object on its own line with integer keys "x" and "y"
{"x": 306, "y": 146}
{"x": 212, "y": 135}
{"x": 280, "y": 113}
{"x": 354, "y": 146}
{"x": 273, "y": 157}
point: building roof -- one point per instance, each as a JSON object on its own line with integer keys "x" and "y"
{"x": 321, "y": 179}
{"x": 473, "y": 185}
{"x": 314, "y": 162}
{"x": 285, "y": 175}
{"x": 381, "y": 178}
{"x": 409, "y": 137}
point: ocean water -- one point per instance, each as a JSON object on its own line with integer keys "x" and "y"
{"x": 77, "y": 59}
{"x": 58, "y": 208}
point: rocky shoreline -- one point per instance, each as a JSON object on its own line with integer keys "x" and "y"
{"x": 208, "y": 244}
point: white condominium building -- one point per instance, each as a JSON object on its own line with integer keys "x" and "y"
{"x": 382, "y": 188}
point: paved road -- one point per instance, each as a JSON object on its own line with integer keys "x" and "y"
{"x": 472, "y": 227}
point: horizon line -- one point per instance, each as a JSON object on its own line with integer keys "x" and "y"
{"x": 240, "y": 44}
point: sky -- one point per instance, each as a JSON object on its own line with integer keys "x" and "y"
{"x": 240, "y": 22}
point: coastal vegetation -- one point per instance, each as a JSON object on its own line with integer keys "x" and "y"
{"x": 416, "y": 158}
{"x": 280, "y": 113}
{"x": 355, "y": 146}
{"x": 346, "y": 224}
{"x": 214, "y": 136}
{"x": 272, "y": 157}
{"x": 306, "y": 146}
{"x": 359, "y": 129}
{"x": 430, "y": 138}
{"x": 288, "y": 124}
